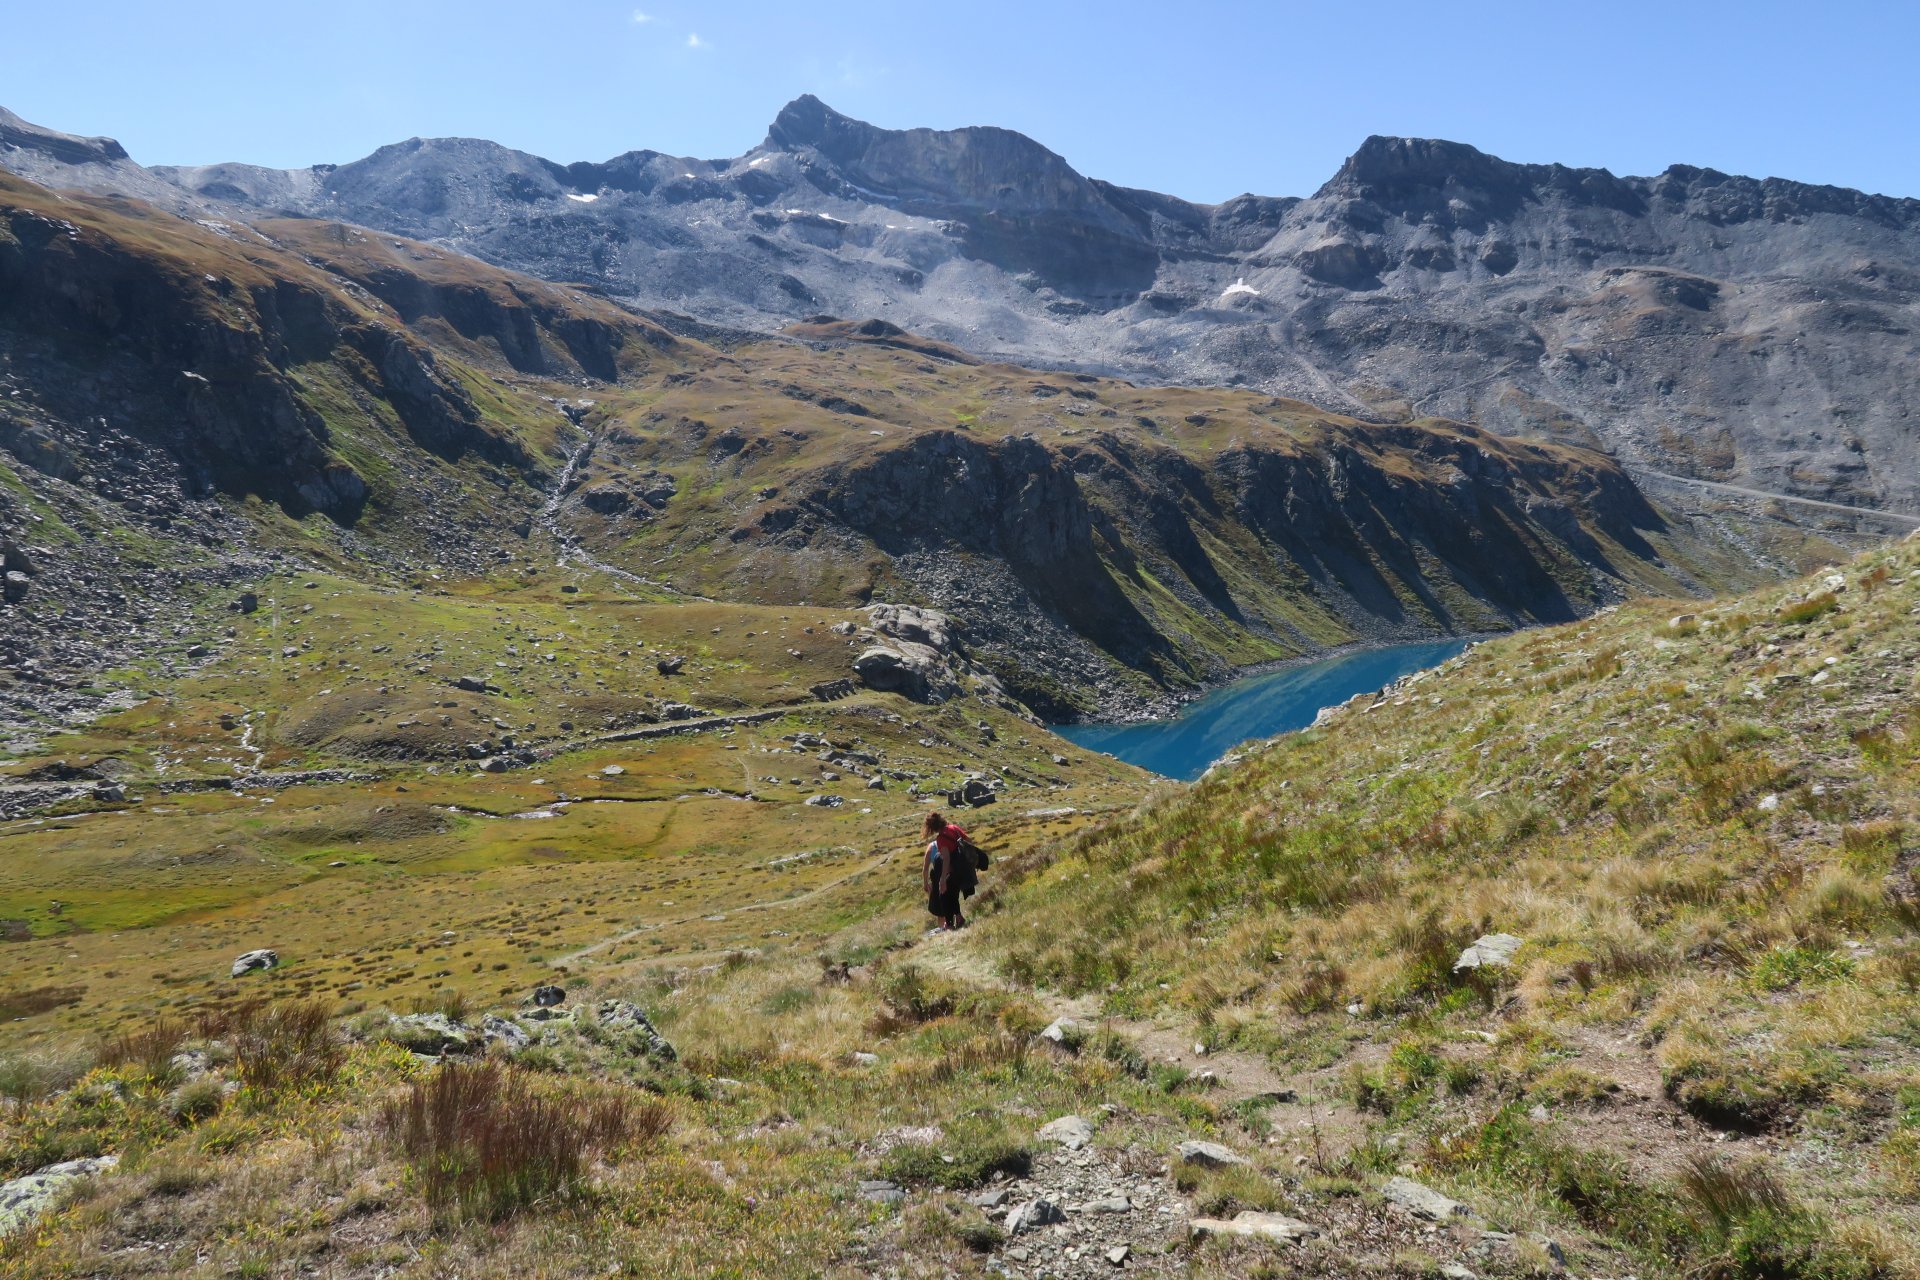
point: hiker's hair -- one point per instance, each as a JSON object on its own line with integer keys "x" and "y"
{"x": 934, "y": 823}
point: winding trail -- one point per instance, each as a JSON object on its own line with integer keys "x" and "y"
{"x": 1740, "y": 491}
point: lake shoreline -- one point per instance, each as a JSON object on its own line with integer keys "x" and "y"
{"x": 1274, "y": 699}
{"x": 1170, "y": 704}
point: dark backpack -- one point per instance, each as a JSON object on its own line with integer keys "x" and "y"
{"x": 972, "y": 854}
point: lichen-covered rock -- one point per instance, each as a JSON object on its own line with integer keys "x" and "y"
{"x": 1256, "y": 1225}
{"x": 1423, "y": 1201}
{"x": 623, "y": 1018}
{"x": 24, "y": 1199}
{"x": 1495, "y": 950}
{"x": 1071, "y": 1132}
{"x": 1207, "y": 1155}
{"x": 434, "y": 1034}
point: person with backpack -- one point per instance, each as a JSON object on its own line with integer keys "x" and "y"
{"x": 951, "y": 870}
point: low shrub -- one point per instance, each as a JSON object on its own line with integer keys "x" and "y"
{"x": 1748, "y": 1227}
{"x": 973, "y": 1150}
{"x": 150, "y": 1050}
{"x": 196, "y": 1100}
{"x": 1808, "y": 610}
{"x": 483, "y": 1143}
{"x": 1220, "y": 1193}
{"x": 285, "y": 1045}
{"x": 32, "y": 1074}
{"x": 1782, "y": 967}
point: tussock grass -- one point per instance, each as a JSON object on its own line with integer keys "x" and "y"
{"x": 484, "y": 1143}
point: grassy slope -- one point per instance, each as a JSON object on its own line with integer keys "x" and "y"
{"x": 1341, "y": 867}
{"x": 1707, "y": 976}
{"x": 343, "y": 675}
{"x": 1704, "y": 832}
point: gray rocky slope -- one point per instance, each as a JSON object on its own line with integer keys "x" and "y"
{"x": 1759, "y": 333}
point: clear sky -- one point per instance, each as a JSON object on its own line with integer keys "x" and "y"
{"x": 1199, "y": 98}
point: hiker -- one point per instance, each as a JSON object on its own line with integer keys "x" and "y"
{"x": 946, "y": 873}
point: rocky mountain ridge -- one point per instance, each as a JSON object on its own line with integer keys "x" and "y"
{"x": 1718, "y": 328}
{"x": 188, "y": 402}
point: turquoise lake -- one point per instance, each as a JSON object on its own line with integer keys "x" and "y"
{"x": 1257, "y": 707}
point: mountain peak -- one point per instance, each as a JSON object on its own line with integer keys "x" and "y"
{"x": 1396, "y": 163}
{"x": 1431, "y": 174}
{"x": 809, "y": 122}
{"x": 67, "y": 148}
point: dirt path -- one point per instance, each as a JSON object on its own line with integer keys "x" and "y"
{"x": 794, "y": 900}
{"x": 1238, "y": 1076}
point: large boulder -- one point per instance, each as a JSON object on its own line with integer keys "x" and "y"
{"x": 908, "y": 622}
{"x": 433, "y": 1034}
{"x": 973, "y": 793}
{"x": 24, "y": 1199}
{"x": 248, "y": 961}
{"x": 903, "y": 667}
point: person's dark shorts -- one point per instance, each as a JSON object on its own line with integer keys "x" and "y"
{"x": 944, "y": 904}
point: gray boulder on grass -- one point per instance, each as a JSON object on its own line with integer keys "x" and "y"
{"x": 24, "y": 1199}
{"x": 248, "y": 961}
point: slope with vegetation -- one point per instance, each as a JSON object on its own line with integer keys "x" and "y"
{"x": 1701, "y": 1060}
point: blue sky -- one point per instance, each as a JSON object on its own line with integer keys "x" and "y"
{"x": 1201, "y": 99}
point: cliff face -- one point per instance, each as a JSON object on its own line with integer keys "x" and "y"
{"x": 205, "y": 340}
{"x": 1748, "y": 331}
{"x": 1139, "y": 549}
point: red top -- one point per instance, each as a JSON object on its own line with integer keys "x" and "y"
{"x": 949, "y": 837}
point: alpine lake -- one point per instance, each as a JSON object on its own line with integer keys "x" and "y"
{"x": 1259, "y": 706}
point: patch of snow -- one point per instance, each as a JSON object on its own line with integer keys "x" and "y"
{"x": 1240, "y": 286}
{"x": 582, "y": 199}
